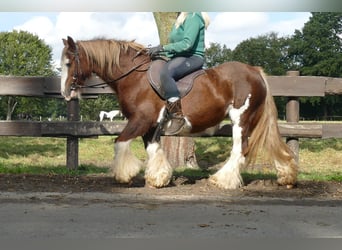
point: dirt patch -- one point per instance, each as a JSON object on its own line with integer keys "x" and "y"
{"x": 179, "y": 186}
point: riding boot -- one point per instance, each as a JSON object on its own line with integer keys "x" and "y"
{"x": 175, "y": 117}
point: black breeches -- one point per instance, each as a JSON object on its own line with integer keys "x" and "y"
{"x": 175, "y": 69}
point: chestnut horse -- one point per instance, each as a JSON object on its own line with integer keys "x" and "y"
{"x": 232, "y": 88}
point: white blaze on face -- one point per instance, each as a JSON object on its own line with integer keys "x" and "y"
{"x": 64, "y": 75}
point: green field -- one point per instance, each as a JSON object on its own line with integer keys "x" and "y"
{"x": 319, "y": 159}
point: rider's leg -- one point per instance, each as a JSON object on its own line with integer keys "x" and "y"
{"x": 173, "y": 70}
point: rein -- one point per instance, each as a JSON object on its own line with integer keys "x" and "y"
{"x": 104, "y": 84}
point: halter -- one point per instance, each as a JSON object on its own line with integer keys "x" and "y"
{"x": 74, "y": 82}
{"x": 78, "y": 71}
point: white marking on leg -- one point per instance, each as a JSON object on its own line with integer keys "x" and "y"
{"x": 158, "y": 172}
{"x": 161, "y": 114}
{"x": 228, "y": 177}
{"x": 126, "y": 165}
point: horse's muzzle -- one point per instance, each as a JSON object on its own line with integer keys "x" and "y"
{"x": 73, "y": 94}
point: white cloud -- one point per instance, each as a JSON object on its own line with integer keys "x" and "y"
{"x": 38, "y": 25}
{"x": 137, "y": 26}
{"x": 236, "y": 21}
{"x": 287, "y": 27}
{"x": 142, "y": 28}
{"x": 229, "y": 28}
{"x": 83, "y": 25}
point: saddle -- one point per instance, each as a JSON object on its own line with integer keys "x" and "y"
{"x": 184, "y": 84}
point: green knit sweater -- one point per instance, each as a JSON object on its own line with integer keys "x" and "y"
{"x": 188, "y": 38}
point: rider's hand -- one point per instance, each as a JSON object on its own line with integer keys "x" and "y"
{"x": 155, "y": 51}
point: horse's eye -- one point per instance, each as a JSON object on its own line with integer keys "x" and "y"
{"x": 68, "y": 64}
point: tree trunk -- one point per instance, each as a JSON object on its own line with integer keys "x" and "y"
{"x": 11, "y": 104}
{"x": 164, "y": 21}
{"x": 180, "y": 151}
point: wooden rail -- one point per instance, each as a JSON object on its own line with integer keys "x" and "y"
{"x": 291, "y": 86}
{"x": 90, "y": 129}
{"x": 280, "y": 86}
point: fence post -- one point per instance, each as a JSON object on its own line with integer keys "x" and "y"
{"x": 292, "y": 115}
{"x": 73, "y": 109}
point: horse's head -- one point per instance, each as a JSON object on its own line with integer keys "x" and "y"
{"x": 71, "y": 77}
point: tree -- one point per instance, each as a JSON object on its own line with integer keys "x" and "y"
{"x": 268, "y": 51}
{"x": 216, "y": 54}
{"x": 164, "y": 22}
{"x": 23, "y": 54}
{"x": 316, "y": 50}
{"x": 180, "y": 151}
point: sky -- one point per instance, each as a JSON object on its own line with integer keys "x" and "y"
{"x": 226, "y": 28}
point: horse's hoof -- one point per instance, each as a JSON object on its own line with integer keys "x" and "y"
{"x": 228, "y": 185}
{"x": 289, "y": 183}
{"x": 149, "y": 184}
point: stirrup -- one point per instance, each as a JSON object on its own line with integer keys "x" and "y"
{"x": 175, "y": 118}
{"x": 174, "y": 126}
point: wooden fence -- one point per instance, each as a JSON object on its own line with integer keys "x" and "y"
{"x": 291, "y": 86}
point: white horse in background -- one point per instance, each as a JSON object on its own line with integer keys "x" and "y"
{"x": 110, "y": 115}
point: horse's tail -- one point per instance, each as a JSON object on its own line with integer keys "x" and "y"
{"x": 266, "y": 137}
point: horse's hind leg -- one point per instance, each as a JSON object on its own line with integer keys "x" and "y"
{"x": 228, "y": 177}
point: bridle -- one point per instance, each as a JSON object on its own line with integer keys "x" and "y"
{"x": 78, "y": 72}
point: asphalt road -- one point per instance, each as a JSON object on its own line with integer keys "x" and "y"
{"x": 98, "y": 215}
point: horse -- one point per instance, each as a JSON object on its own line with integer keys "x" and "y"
{"x": 102, "y": 115}
{"x": 231, "y": 88}
{"x": 110, "y": 114}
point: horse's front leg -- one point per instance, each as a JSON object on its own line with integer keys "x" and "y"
{"x": 158, "y": 171}
{"x": 126, "y": 165}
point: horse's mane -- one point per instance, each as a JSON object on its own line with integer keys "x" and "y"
{"x": 105, "y": 53}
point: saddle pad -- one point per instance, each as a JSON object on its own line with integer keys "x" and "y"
{"x": 184, "y": 84}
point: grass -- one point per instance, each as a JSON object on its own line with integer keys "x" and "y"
{"x": 318, "y": 159}
{"x": 24, "y": 169}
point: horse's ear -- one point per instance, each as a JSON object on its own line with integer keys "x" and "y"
{"x": 65, "y": 42}
{"x": 70, "y": 42}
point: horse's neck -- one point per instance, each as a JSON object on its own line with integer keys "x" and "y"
{"x": 117, "y": 70}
